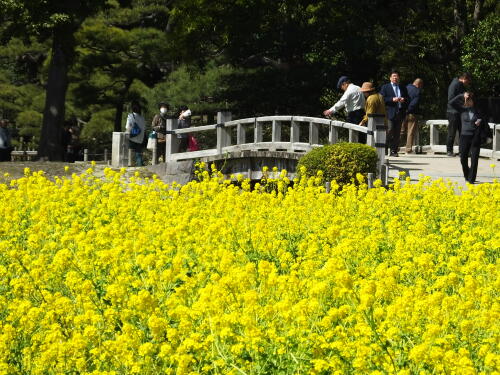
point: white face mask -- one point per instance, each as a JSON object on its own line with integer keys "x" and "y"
{"x": 163, "y": 111}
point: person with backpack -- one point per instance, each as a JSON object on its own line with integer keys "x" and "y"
{"x": 135, "y": 128}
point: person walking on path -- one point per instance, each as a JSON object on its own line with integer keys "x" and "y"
{"x": 159, "y": 125}
{"x": 396, "y": 101}
{"x": 136, "y": 136}
{"x": 470, "y": 134}
{"x": 374, "y": 103}
{"x": 410, "y": 124}
{"x": 5, "y": 141}
{"x": 457, "y": 87}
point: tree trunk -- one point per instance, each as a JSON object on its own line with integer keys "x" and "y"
{"x": 119, "y": 106}
{"x": 478, "y": 7}
{"x": 118, "y": 116}
{"x": 460, "y": 17}
{"x": 53, "y": 117}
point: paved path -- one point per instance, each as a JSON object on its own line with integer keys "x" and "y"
{"x": 437, "y": 166}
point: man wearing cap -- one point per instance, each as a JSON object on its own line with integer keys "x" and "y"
{"x": 374, "y": 103}
{"x": 396, "y": 102}
{"x": 353, "y": 101}
{"x": 159, "y": 125}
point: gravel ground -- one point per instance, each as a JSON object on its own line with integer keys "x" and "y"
{"x": 16, "y": 169}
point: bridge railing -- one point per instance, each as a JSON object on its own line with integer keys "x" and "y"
{"x": 250, "y": 135}
{"x": 436, "y": 146}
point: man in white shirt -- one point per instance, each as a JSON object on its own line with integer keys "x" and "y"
{"x": 353, "y": 101}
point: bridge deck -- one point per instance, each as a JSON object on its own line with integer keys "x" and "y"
{"x": 440, "y": 166}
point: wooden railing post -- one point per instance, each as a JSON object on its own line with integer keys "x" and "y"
{"x": 377, "y": 122}
{"x": 313, "y": 133}
{"x": 370, "y": 134}
{"x": 154, "y": 156}
{"x": 294, "y": 131}
{"x": 258, "y": 135}
{"x": 171, "y": 140}
{"x": 223, "y": 134}
{"x": 240, "y": 134}
{"x": 276, "y": 136}
{"x": 333, "y": 134}
{"x": 434, "y": 135}
{"x": 353, "y": 136}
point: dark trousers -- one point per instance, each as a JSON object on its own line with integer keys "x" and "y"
{"x": 394, "y": 133}
{"x": 472, "y": 144}
{"x": 454, "y": 126}
{"x": 355, "y": 117}
{"x": 183, "y": 144}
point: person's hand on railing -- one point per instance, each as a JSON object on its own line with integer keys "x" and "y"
{"x": 329, "y": 114}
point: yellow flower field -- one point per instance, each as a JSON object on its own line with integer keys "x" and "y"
{"x": 108, "y": 276}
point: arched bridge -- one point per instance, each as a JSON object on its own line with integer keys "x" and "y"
{"x": 247, "y": 145}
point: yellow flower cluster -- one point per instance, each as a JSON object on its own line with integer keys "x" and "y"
{"x": 116, "y": 276}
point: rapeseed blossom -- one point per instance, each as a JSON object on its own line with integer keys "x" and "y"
{"x": 115, "y": 276}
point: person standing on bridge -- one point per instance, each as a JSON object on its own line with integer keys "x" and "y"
{"x": 135, "y": 127}
{"x": 410, "y": 125}
{"x": 396, "y": 101}
{"x": 457, "y": 87}
{"x": 470, "y": 134}
{"x": 353, "y": 101}
{"x": 159, "y": 125}
{"x": 374, "y": 103}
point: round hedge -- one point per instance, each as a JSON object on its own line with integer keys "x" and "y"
{"x": 340, "y": 162}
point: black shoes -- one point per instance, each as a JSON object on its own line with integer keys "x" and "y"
{"x": 395, "y": 154}
{"x": 449, "y": 153}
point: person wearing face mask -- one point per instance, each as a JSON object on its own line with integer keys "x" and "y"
{"x": 470, "y": 133}
{"x": 159, "y": 125}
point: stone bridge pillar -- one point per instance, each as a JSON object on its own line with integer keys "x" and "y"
{"x": 119, "y": 151}
{"x": 376, "y": 125}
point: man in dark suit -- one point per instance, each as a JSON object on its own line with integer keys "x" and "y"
{"x": 396, "y": 102}
{"x": 457, "y": 87}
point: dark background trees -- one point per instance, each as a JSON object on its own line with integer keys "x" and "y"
{"x": 86, "y": 59}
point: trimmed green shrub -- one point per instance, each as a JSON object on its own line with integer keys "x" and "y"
{"x": 340, "y": 162}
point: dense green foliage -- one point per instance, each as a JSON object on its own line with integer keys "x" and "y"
{"x": 253, "y": 57}
{"x": 481, "y": 54}
{"x": 340, "y": 162}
